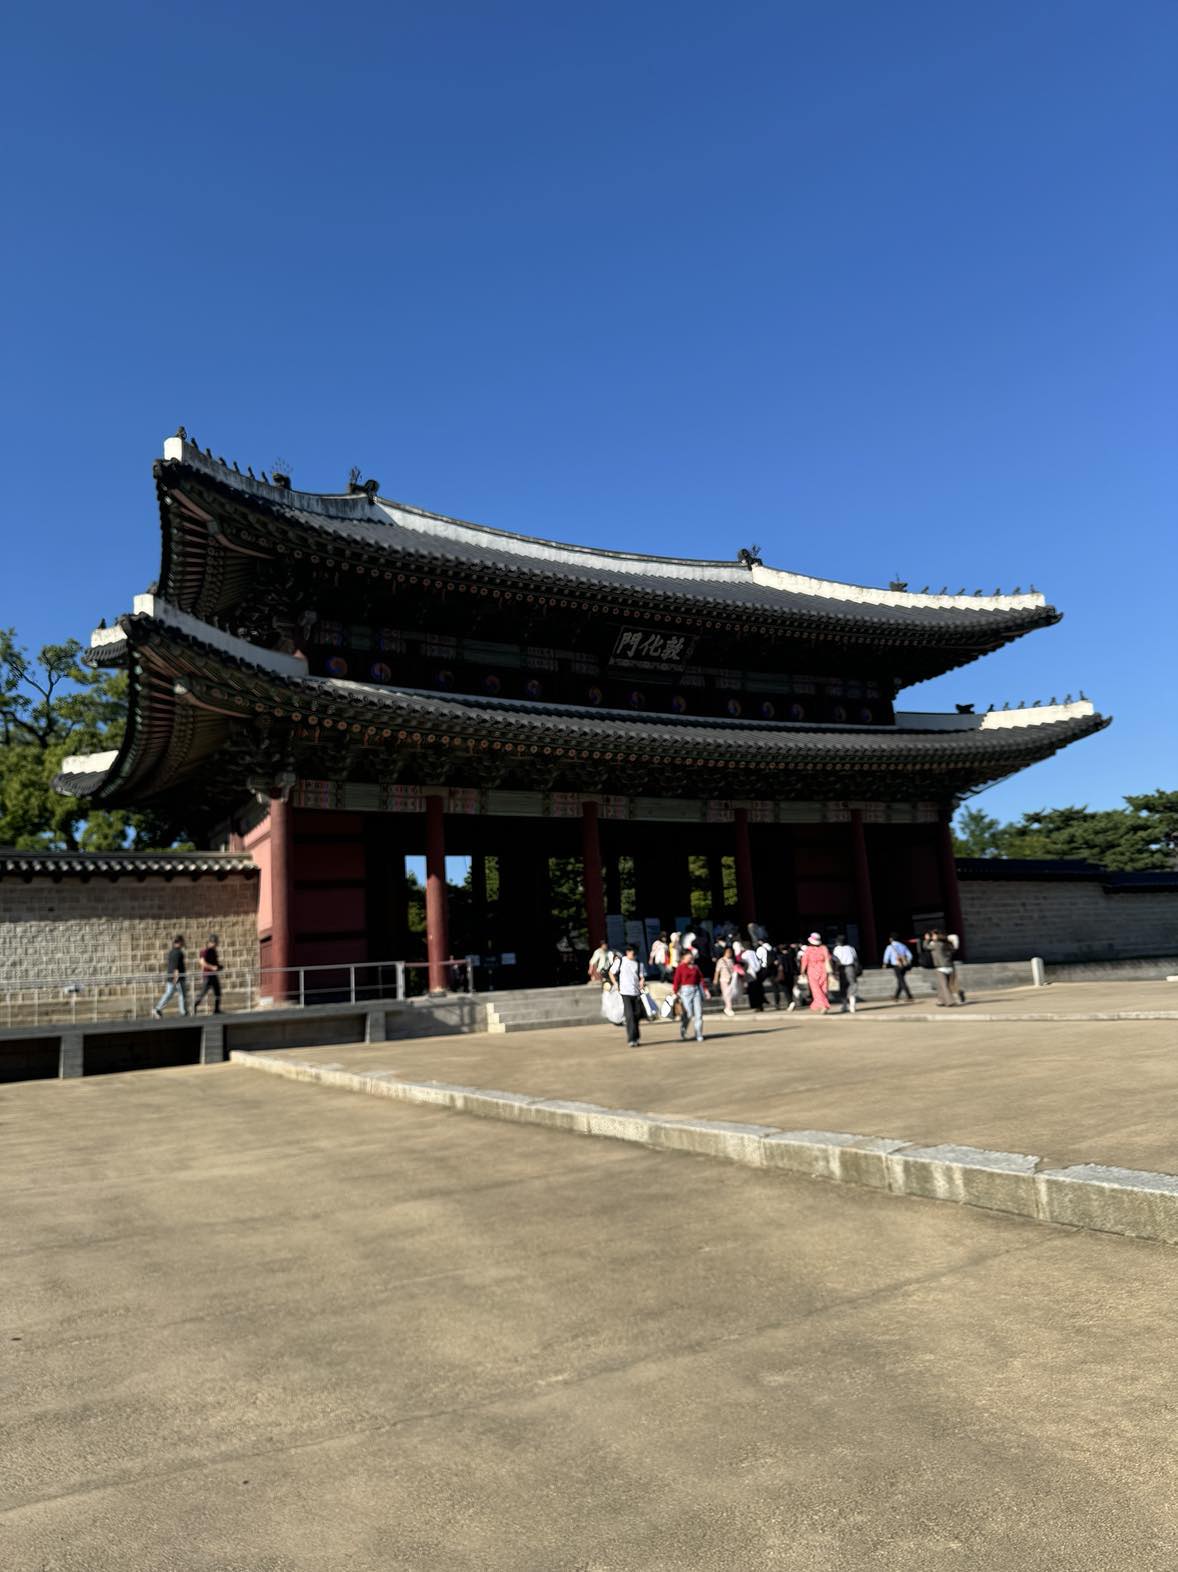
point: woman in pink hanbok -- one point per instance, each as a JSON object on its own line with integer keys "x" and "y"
{"x": 815, "y": 965}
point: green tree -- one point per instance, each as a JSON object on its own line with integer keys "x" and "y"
{"x": 52, "y": 705}
{"x": 978, "y": 834}
{"x": 1141, "y": 836}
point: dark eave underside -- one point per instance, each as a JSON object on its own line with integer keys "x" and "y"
{"x": 233, "y": 716}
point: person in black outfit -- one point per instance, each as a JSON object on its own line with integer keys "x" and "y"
{"x": 177, "y": 983}
{"x": 210, "y": 968}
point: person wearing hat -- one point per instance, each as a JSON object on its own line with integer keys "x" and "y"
{"x": 816, "y": 966}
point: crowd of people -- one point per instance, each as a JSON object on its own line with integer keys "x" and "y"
{"x": 701, "y": 962}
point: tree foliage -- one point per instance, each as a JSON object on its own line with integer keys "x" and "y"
{"x": 1140, "y": 836}
{"x": 52, "y": 705}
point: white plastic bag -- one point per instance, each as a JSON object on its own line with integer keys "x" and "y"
{"x": 649, "y": 1006}
{"x": 612, "y": 1008}
{"x": 667, "y": 1008}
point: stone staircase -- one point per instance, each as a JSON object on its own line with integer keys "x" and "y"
{"x": 535, "y": 1009}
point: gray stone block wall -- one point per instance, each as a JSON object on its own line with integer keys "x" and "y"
{"x": 105, "y": 928}
{"x": 1066, "y": 920}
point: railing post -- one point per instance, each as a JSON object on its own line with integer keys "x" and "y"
{"x": 302, "y": 987}
{"x": 249, "y": 991}
{"x": 400, "y": 966}
{"x": 352, "y": 982}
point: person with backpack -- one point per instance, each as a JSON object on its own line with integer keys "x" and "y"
{"x": 629, "y": 977}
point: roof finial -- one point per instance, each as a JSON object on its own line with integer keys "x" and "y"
{"x": 924, "y": 591}
{"x": 1083, "y": 696}
{"x": 250, "y": 471}
{"x": 1032, "y": 590}
{"x": 182, "y": 434}
{"x": 1017, "y": 590}
{"x": 1067, "y": 698}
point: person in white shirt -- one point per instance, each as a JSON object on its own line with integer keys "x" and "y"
{"x": 629, "y": 978}
{"x": 899, "y": 957}
{"x": 846, "y": 958}
{"x": 600, "y": 962}
{"x": 659, "y": 958}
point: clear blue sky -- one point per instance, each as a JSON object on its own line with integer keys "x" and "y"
{"x": 888, "y": 289}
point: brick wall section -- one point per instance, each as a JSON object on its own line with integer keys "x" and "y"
{"x": 1066, "y": 920}
{"x": 104, "y": 927}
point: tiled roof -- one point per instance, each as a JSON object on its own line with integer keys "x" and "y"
{"x": 416, "y": 538}
{"x": 122, "y": 864}
{"x": 215, "y": 674}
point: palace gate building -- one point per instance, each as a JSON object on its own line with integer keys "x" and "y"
{"x": 337, "y": 682}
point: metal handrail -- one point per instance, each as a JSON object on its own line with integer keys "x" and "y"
{"x": 70, "y": 996}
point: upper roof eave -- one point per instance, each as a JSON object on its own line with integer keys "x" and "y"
{"x": 395, "y": 526}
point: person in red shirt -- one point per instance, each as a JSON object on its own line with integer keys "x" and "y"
{"x": 688, "y": 983}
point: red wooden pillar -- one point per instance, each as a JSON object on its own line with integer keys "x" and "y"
{"x": 868, "y": 946}
{"x": 591, "y": 875}
{"x": 281, "y": 902}
{"x": 746, "y": 902}
{"x": 950, "y": 893}
{"x": 436, "y": 938}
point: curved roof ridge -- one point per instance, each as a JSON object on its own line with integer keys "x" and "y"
{"x": 537, "y": 548}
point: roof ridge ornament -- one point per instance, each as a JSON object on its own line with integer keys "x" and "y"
{"x": 359, "y": 487}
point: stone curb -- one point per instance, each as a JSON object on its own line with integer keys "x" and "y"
{"x": 968, "y": 1013}
{"x": 1108, "y": 1200}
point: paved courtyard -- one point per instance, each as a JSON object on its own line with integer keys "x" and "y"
{"x": 1073, "y": 1090}
{"x": 254, "y": 1326}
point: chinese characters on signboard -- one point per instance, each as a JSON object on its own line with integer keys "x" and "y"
{"x": 641, "y": 647}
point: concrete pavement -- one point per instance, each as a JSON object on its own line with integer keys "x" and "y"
{"x": 252, "y": 1326}
{"x": 1073, "y": 1091}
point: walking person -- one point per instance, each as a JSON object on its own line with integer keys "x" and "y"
{"x": 688, "y": 983}
{"x": 725, "y": 978}
{"x": 791, "y": 967}
{"x": 775, "y": 975}
{"x": 600, "y": 962}
{"x": 210, "y": 972}
{"x": 629, "y": 977}
{"x": 898, "y": 957}
{"x": 753, "y": 969}
{"x": 659, "y": 958}
{"x": 846, "y": 958}
{"x": 176, "y": 969}
{"x": 816, "y": 966}
{"x": 944, "y": 969}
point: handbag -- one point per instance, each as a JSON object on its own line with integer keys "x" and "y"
{"x": 667, "y": 1008}
{"x": 649, "y": 1006}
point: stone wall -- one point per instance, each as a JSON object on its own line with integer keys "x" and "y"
{"x": 78, "y": 928}
{"x": 1066, "y": 920}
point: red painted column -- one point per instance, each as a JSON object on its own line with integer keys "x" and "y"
{"x": 868, "y": 947}
{"x": 591, "y": 875}
{"x": 278, "y": 984}
{"x": 746, "y": 902}
{"x": 950, "y": 893}
{"x": 436, "y": 938}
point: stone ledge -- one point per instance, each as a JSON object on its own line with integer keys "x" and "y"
{"x": 1107, "y": 1200}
